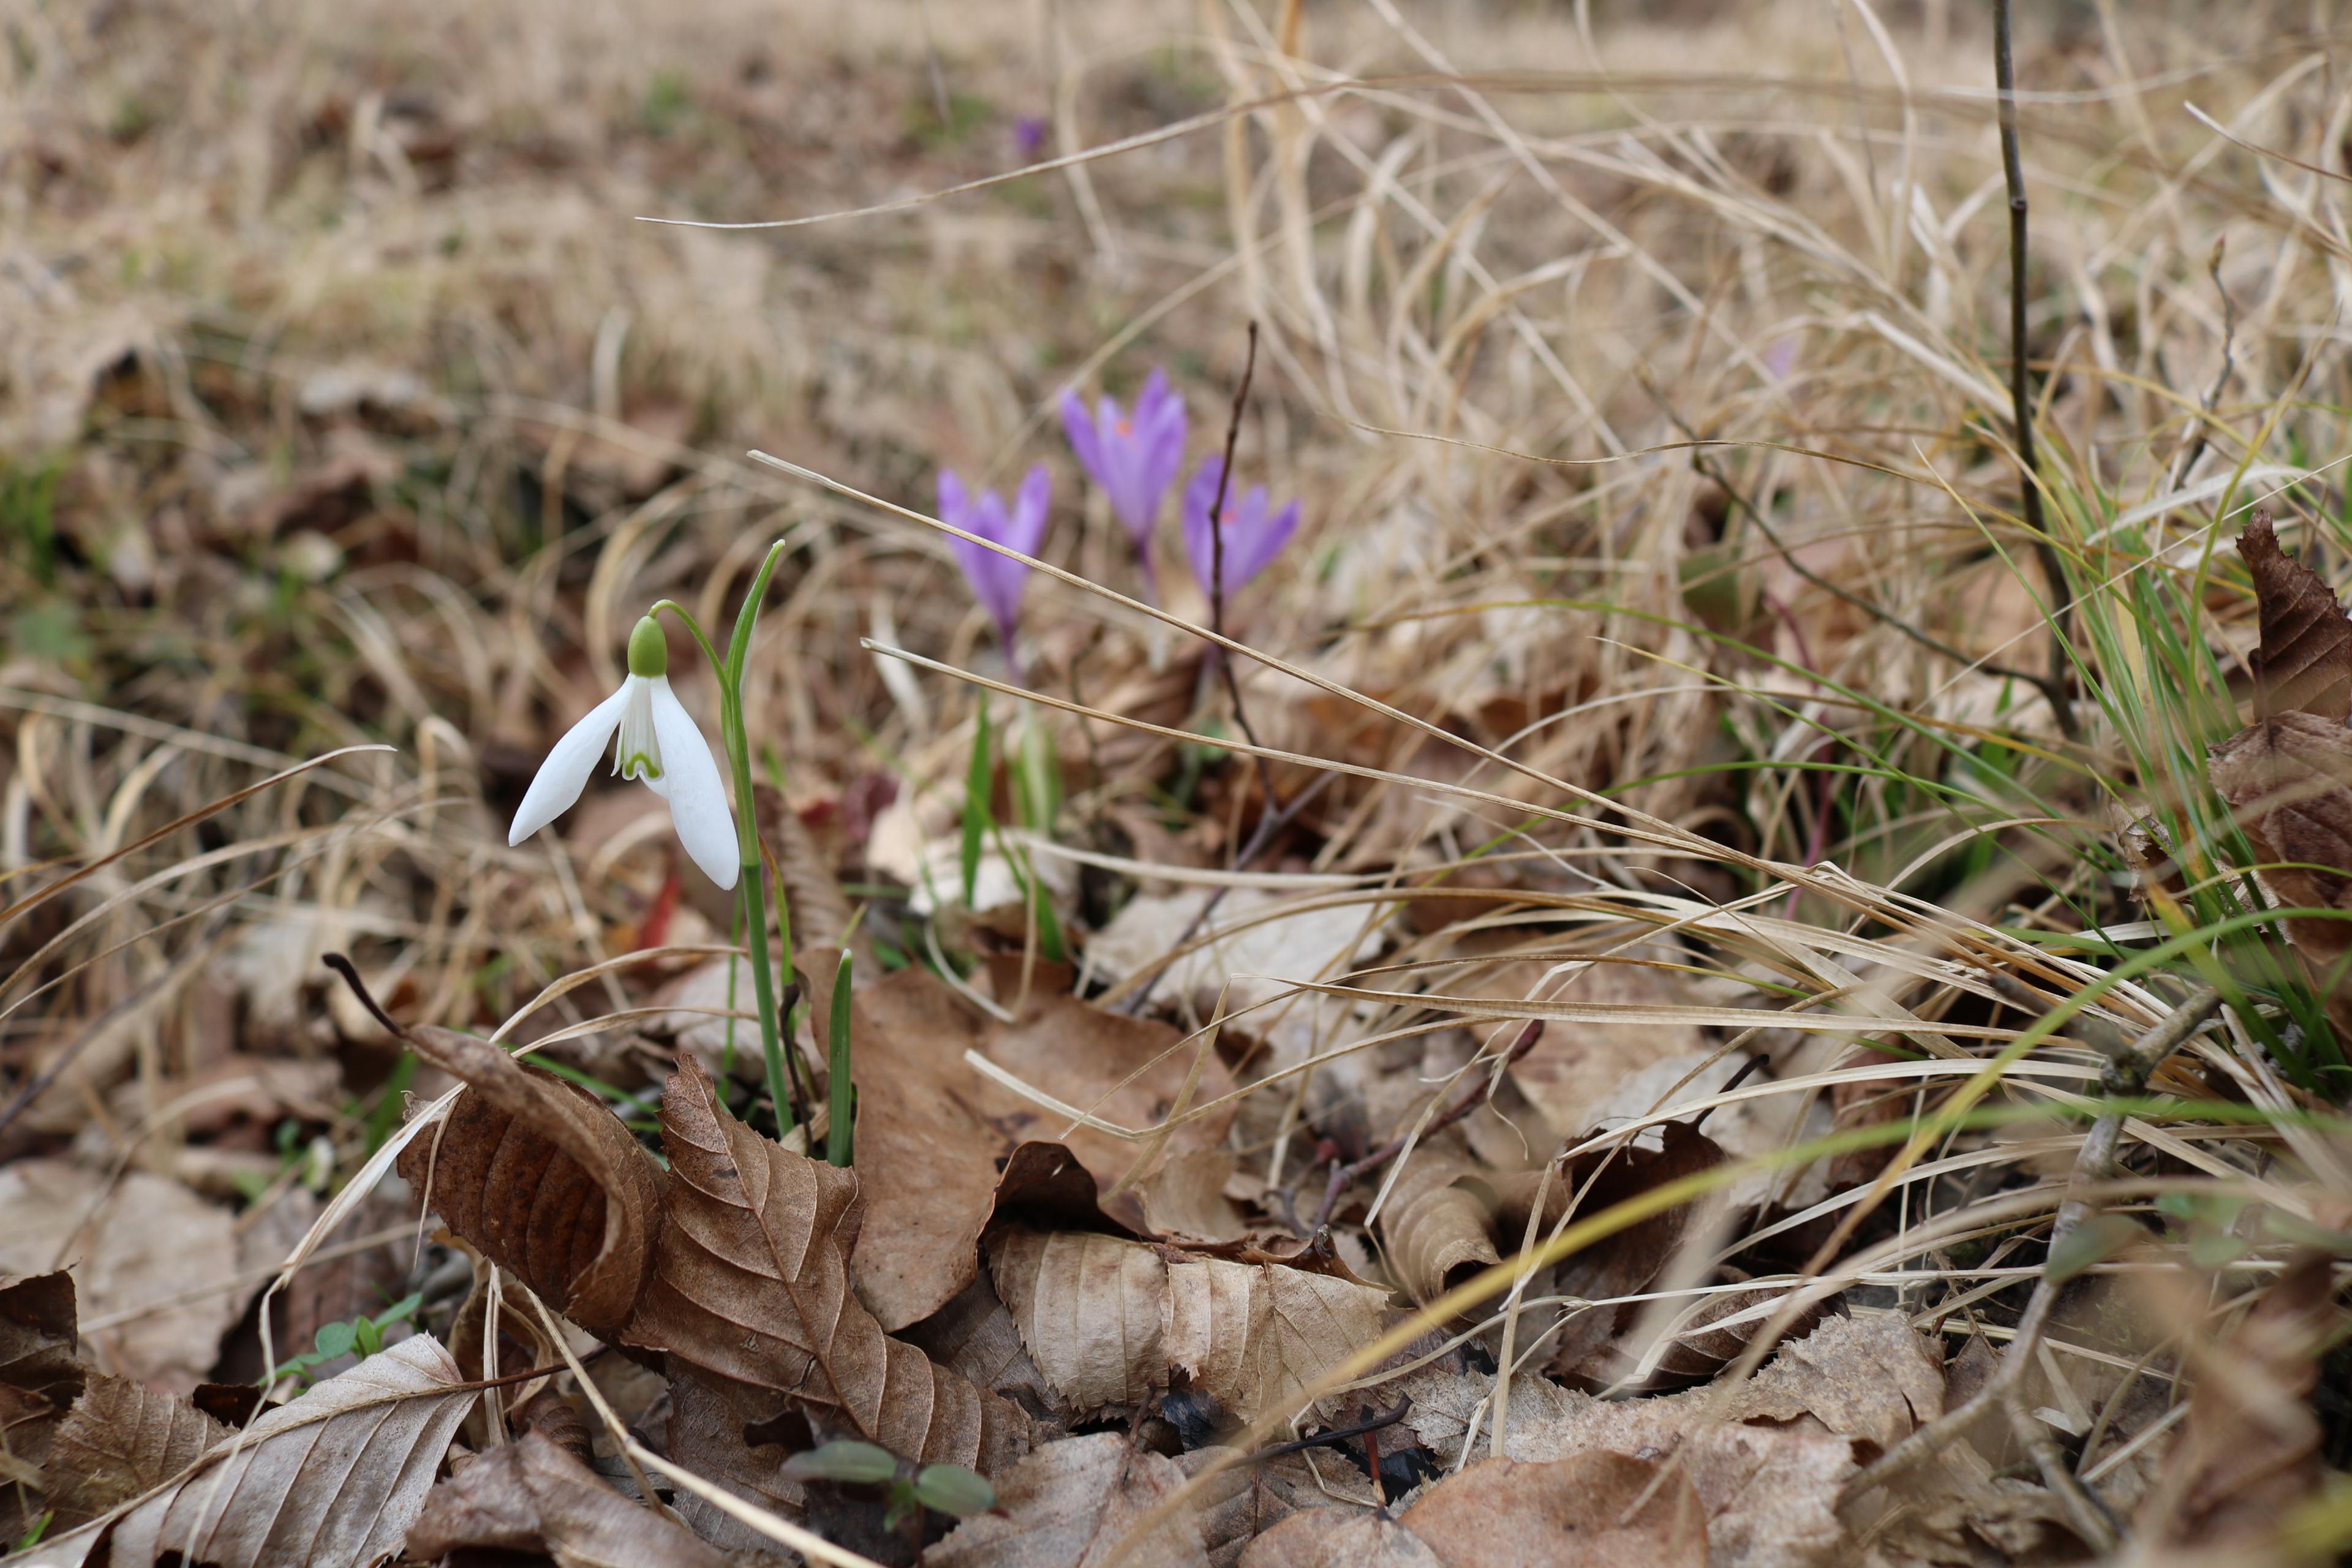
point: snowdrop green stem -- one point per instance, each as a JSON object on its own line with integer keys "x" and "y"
{"x": 783, "y": 1069}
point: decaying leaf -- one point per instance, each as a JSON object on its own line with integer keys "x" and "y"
{"x": 751, "y": 1292}
{"x": 1438, "y": 1222}
{"x": 1109, "y": 1321}
{"x": 1572, "y": 1069}
{"x": 1240, "y": 1501}
{"x": 820, "y": 913}
{"x": 2250, "y": 1452}
{"x": 38, "y": 1335}
{"x": 2289, "y": 779}
{"x": 1597, "y": 1510}
{"x": 531, "y": 1495}
{"x": 138, "y": 1242}
{"x": 704, "y": 1434}
{"x": 541, "y": 1178}
{"x": 2307, "y": 648}
{"x": 1333, "y": 1538}
{"x": 120, "y": 1440}
{"x": 1622, "y": 1265}
{"x": 330, "y": 1480}
{"x": 552, "y": 1414}
{"x": 975, "y": 1337}
{"x": 925, "y": 1159}
{"x": 1068, "y": 1504}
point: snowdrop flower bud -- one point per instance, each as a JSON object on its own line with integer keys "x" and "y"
{"x": 657, "y": 743}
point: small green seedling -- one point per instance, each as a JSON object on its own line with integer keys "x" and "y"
{"x": 943, "y": 1489}
{"x": 333, "y": 1341}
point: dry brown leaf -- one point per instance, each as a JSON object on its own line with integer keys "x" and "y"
{"x": 1571, "y": 1071}
{"x": 2307, "y": 651}
{"x": 1438, "y": 1223}
{"x": 1596, "y": 1509}
{"x": 330, "y": 1480}
{"x": 1131, "y": 1071}
{"x": 540, "y": 1178}
{"x": 820, "y": 914}
{"x": 37, "y": 1336}
{"x": 2249, "y": 1450}
{"x": 751, "y": 1292}
{"x": 39, "y": 1377}
{"x": 1091, "y": 1309}
{"x": 974, "y": 1336}
{"x": 1068, "y": 1504}
{"x": 136, "y": 1243}
{"x": 531, "y": 1495}
{"x": 122, "y": 1439}
{"x": 1243, "y": 1500}
{"x": 1185, "y": 1198}
{"x": 1622, "y": 1265}
{"x": 1109, "y": 1321}
{"x": 704, "y": 1434}
{"x": 926, "y": 1160}
{"x": 2289, "y": 779}
{"x": 1333, "y": 1538}
{"x": 1873, "y": 1380}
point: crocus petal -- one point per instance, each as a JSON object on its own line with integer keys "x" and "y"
{"x": 954, "y": 503}
{"x": 698, "y": 800}
{"x": 1200, "y": 495}
{"x": 565, "y": 772}
{"x": 1026, "y": 531}
{"x": 1266, "y": 542}
{"x": 1079, "y": 426}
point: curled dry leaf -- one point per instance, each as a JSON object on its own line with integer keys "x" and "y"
{"x": 2250, "y": 1452}
{"x": 1334, "y": 1538}
{"x": 751, "y": 1292}
{"x": 1438, "y": 1223}
{"x": 122, "y": 1439}
{"x": 541, "y": 1179}
{"x": 533, "y": 1496}
{"x": 1109, "y": 1321}
{"x": 2307, "y": 648}
{"x": 330, "y": 1480}
{"x": 39, "y": 1377}
{"x": 1068, "y": 1504}
{"x": 559, "y": 1420}
{"x": 1596, "y": 1509}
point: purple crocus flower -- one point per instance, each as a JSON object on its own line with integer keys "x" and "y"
{"x": 1028, "y": 136}
{"x": 1133, "y": 459}
{"x": 1252, "y": 539}
{"x": 996, "y": 580}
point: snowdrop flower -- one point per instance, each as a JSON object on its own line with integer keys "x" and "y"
{"x": 1133, "y": 459}
{"x": 997, "y": 580}
{"x": 658, "y": 744}
{"x": 1252, "y": 539}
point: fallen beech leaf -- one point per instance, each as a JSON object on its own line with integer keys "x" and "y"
{"x": 39, "y": 1377}
{"x": 120, "y": 1440}
{"x": 974, "y": 1336}
{"x": 1185, "y": 1198}
{"x": 1596, "y": 1509}
{"x": 531, "y": 1495}
{"x": 540, "y": 1178}
{"x": 1572, "y": 1068}
{"x": 1090, "y": 1308}
{"x": 751, "y": 1292}
{"x": 1437, "y": 1223}
{"x": 1242, "y": 1501}
{"x": 134, "y": 1243}
{"x": 37, "y": 1336}
{"x": 1131, "y": 1072}
{"x": 1623, "y": 1265}
{"x": 2249, "y": 1450}
{"x": 1109, "y": 1321}
{"x": 555, "y": 1417}
{"x": 1333, "y": 1538}
{"x": 926, "y": 1160}
{"x": 1067, "y": 1505}
{"x": 704, "y": 1434}
{"x": 2307, "y": 651}
{"x": 1873, "y": 1379}
{"x": 330, "y": 1480}
{"x": 2289, "y": 779}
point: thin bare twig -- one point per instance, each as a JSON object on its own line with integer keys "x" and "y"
{"x": 2020, "y": 401}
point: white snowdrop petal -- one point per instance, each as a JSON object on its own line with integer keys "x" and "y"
{"x": 565, "y": 772}
{"x": 698, "y": 798}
